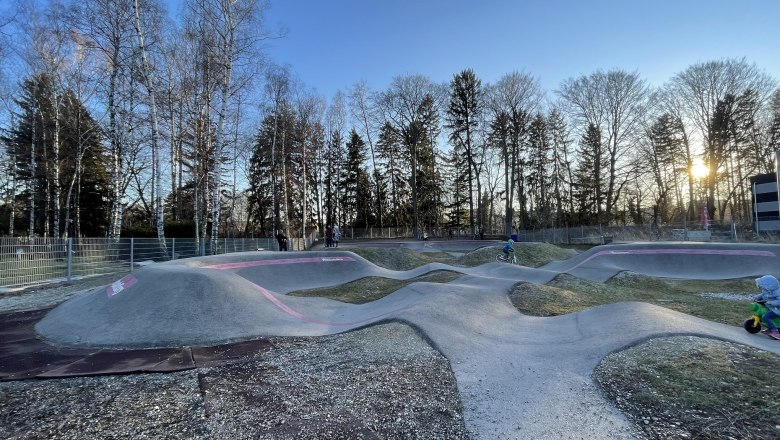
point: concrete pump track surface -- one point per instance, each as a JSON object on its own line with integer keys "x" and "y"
{"x": 510, "y": 368}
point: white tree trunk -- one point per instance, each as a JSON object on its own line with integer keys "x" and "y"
{"x": 219, "y": 147}
{"x": 56, "y": 162}
{"x": 33, "y": 189}
{"x": 155, "y": 129}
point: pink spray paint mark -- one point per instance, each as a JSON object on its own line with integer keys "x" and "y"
{"x": 285, "y": 308}
{"x": 243, "y": 264}
{"x": 118, "y": 286}
{"x": 732, "y": 252}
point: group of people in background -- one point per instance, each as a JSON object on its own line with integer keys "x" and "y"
{"x": 332, "y": 236}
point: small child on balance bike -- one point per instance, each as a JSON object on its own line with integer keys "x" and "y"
{"x": 770, "y": 296}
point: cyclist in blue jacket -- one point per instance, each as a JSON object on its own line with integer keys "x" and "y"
{"x": 509, "y": 248}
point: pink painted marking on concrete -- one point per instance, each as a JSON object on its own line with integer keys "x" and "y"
{"x": 123, "y": 284}
{"x": 243, "y": 264}
{"x": 734, "y": 252}
{"x": 285, "y": 308}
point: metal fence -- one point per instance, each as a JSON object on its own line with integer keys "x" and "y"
{"x": 25, "y": 262}
{"x": 607, "y": 234}
{"x": 405, "y": 232}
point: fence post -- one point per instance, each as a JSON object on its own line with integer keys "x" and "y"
{"x": 69, "y": 248}
{"x": 131, "y": 253}
{"x": 173, "y": 248}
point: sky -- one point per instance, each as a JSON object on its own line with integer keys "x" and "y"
{"x": 332, "y": 44}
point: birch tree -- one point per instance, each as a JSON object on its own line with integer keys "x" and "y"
{"x": 233, "y": 29}
{"x": 109, "y": 27}
{"x": 146, "y": 74}
{"x": 362, "y": 113}
{"x": 277, "y": 89}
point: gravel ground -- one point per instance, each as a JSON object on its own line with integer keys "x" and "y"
{"x": 380, "y": 382}
{"x": 49, "y": 295}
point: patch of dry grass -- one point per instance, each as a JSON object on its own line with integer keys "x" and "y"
{"x": 569, "y": 294}
{"x": 529, "y": 254}
{"x": 691, "y": 387}
{"x": 370, "y": 289}
{"x": 402, "y": 258}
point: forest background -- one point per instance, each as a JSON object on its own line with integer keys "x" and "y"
{"x": 118, "y": 119}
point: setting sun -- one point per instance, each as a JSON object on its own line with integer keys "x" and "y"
{"x": 699, "y": 170}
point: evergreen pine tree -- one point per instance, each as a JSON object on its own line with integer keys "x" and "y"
{"x": 588, "y": 176}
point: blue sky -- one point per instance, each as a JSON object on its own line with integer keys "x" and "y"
{"x": 334, "y": 43}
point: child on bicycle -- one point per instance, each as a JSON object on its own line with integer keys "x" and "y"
{"x": 770, "y": 295}
{"x": 509, "y": 249}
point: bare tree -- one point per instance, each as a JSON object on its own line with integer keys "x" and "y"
{"x": 615, "y": 102}
{"x": 46, "y": 54}
{"x": 109, "y": 29}
{"x": 510, "y": 103}
{"x": 5, "y": 109}
{"x": 146, "y": 72}
{"x": 402, "y": 106}
{"x": 308, "y": 109}
{"x": 670, "y": 103}
{"x": 700, "y": 88}
{"x": 277, "y": 89}
{"x": 231, "y": 31}
{"x": 335, "y": 122}
{"x": 81, "y": 88}
{"x": 360, "y": 106}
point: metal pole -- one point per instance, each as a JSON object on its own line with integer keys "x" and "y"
{"x": 69, "y": 248}
{"x": 131, "y": 253}
{"x": 755, "y": 208}
{"x": 173, "y": 248}
{"x": 777, "y": 176}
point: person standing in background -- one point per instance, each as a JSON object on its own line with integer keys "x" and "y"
{"x": 281, "y": 239}
{"x": 336, "y": 235}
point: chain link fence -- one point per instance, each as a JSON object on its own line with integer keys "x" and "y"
{"x": 728, "y": 232}
{"x": 26, "y": 262}
{"x": 407, "y": 232}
